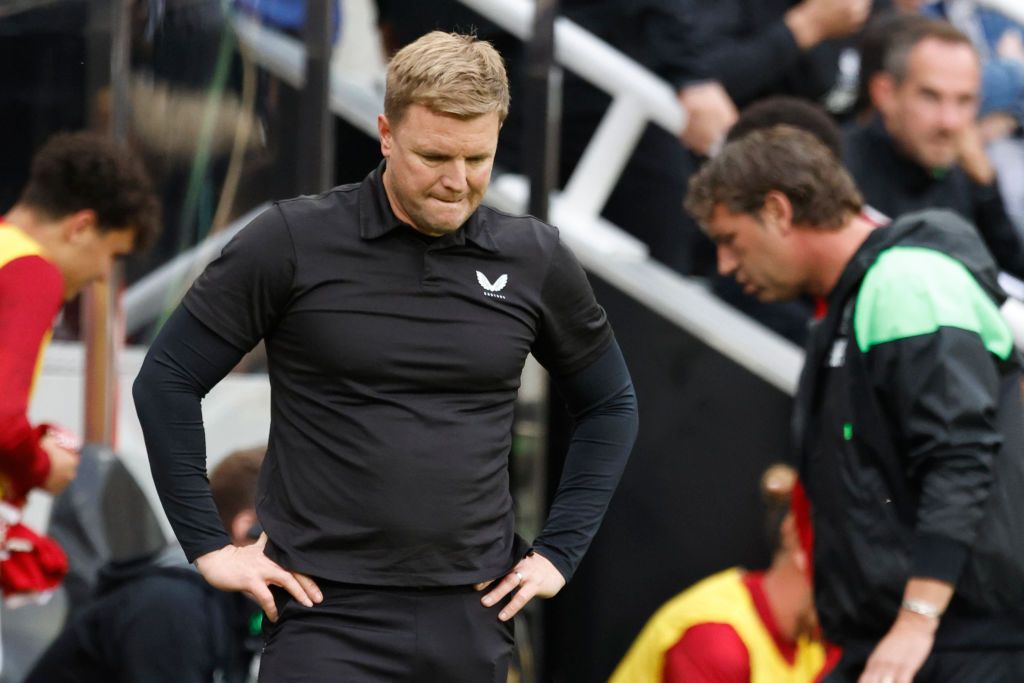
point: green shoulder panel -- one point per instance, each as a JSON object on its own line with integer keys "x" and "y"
{"x": 910, "y": 291}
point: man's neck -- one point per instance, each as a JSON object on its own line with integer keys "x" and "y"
{"x": 33, "y": 224}
{"x": 832, "y": 250}
{"x": 21, "y": 217}
{"x": 786, "y": 591}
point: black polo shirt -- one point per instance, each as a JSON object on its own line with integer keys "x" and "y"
{"x": 394, "y": 360}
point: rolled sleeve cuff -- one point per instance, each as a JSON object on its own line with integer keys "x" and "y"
{"x": 561, "y": 562}
{"x": 194, "y": 551}
{"x": 938, "y": 557}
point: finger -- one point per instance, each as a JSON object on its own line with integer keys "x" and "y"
{"x": 522, "y": 596}
{"x": 504, "y": 587}
{"x": 482, "y": 585}
{"x": 261, "y": 542}
{"x": 264, "y": 598}
{"x": 285, "y": 580}
{"x": 905, "y": 676}
{"x": 309, "y": 586}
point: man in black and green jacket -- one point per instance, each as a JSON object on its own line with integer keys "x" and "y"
{"x": 908, "y": 419}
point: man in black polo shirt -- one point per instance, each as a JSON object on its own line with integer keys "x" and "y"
{"x": 397, "y": 315}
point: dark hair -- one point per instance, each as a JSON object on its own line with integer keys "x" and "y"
{"x": 76, "y": 171}
{"x": 791, "y": 111}
{"x": 874, "y": 44}
{"x": 233, "y": 483}
{"x": 782, "y": 158}
{"x": 906, "y": 36}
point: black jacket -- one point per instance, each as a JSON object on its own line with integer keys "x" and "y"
{"x": 153, "y": 623}
{"x": 894, "y": 184}
{"x": 908, "y": 422}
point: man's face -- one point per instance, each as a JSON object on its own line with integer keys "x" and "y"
{"x": 928, "y": 112}
{"x": 438, "y": 166}
{"x": 754, "y": 251}
{"x": 91, "y": 256}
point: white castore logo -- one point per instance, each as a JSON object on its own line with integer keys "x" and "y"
{"x": 492, "y": 289}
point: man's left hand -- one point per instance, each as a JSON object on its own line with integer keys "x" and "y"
{"x": 972, "y": 155}
{"x": 903, "y": 650}
{"x": 532, "y": 576}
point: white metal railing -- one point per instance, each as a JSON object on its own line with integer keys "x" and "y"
{"x": 161, "y": 289}
{"x": 638, "y": 97}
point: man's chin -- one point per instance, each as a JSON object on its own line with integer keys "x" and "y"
{"x": 939, "y": 159}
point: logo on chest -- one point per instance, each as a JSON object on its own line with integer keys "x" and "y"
{"x": 837, "y": 357}
{"x": 492, "y": 288}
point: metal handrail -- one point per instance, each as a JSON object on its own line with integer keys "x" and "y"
{"x": 162, "y": 288}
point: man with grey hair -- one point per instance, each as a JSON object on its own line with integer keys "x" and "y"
{"x": 923, "y": 149}
{"x": 397, "y": 314}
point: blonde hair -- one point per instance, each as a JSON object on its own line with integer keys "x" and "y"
{"x": 448, "y": 73}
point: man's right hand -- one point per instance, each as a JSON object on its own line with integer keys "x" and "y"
{"x": 813, "y": 21}
{"x": 63, "y": 465}
{"x": 247, "y": 569}
{"x": 710, "y": 113}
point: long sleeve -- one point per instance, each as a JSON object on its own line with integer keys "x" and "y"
{"x": 933, "y": 340}
{"x": 185, "y": 361}
{"x": 660, "y": 34}
{"x": 30, "y": 296}
{"x": 601, "y": 400}
{"x": 771, "y": 47}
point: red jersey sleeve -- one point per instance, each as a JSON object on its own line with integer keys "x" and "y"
{"x": 708, "y": 653}
{"x": 31, "y": 294}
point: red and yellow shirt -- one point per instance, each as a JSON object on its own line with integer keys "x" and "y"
{"x": 717, "y": 631}
{"x": 31, "y": 295}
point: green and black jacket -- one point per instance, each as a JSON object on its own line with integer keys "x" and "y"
{"x": 908, "y": 423}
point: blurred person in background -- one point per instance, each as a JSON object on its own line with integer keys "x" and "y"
{"x": 908, "y": 421}
{"x": 797, "y": 47}
{"x": 740, "y": 626}
{"x": 1000, "y": 45}
{"x": 88, "y": 201}
{"x": 153, "y": 621}
{"x": 923, "y": 149}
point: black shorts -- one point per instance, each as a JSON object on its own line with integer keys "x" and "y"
{"x": 364, "y": 633}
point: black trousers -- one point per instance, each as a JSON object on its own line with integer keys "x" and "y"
{"x": 949, "y": 666}
{"x": 408, "y": 635}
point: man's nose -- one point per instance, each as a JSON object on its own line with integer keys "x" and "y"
{"x": 455, "y": 175}
{"x": 953, "y": 116}
{"x": 726, "y": 261}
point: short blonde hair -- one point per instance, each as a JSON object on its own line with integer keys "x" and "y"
{"x": 448, "y": 73}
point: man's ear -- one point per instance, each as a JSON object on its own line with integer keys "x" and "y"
{"x": 882, "y": 90}
{"x": 78, "y": 225}
{"x": 778, "y": 211}
{"x": 384, "y": 130}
